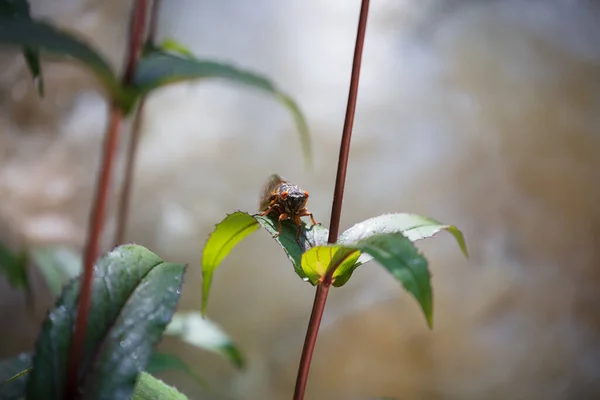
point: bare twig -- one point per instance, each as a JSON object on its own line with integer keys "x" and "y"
{"x": 334, "y": 225}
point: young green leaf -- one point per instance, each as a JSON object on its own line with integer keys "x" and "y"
{"x": 158, "y": 68}
{"x": 45, "y": 37}
{"x": 19, "y": 9}
{"x": 13, "y": 376}
{"x": 161, "y": 362}
{"x": 192, "y": 328}
{"x": 227, "y": 234}
{"x": 171, "y": 45}
{"x": 134, "y": 295}
{"x": 58, "y": 265}
{"x": 14, "y": 267}
{"x": 237, "y": 226}
{"x": 413, "y": 226}
{"x": 400, "y": 257}
{"x": 316, "y": 261}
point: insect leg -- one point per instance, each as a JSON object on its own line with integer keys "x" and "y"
{"x": 298, "y": 222}
{"x": 282, "y": 217}
{"x": 304, "y": 213}
{"x": 270, "y": 210}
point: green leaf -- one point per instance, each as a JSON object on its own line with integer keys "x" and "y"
{"x": 14, "y": 8}
{"x": 192, "y": 328}
{"x": 32, "y": 58}
{"x": 413, "y": 226}
{"x": 58, "y": 265}
{"x": 45, "y": 37}
{"x": 172, "y": 45}
{"x": 316, "y": 261}
{"x": 228, "y": 233}
{"x": 13, "y": 373}
{"x": 19, "y": 9}
{"x": 400, "y": 257}
{"x": 237, "y": 226}
{"x": 159, "y": 68}
{"x": 149, "y": 388}
{"x": 134, "y": 295}
{"x": 14, "y": 267}
{"x": 311, "y": 236}
{"x": 161, "y": 362}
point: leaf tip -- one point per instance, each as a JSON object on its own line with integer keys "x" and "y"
{"x": 460, "y": 238}
{"x": 429, "y": 318}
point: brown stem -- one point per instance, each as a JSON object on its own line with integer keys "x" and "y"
{"x": 91, "y": 251}
{"x": 153, "y": 26}
{"x": 310, "y": 340}
{"x": 98, "y": 211}
{"x": 136, "y": 39}
{"x": 125, "y": 198}
{"x": 336, "y": 211}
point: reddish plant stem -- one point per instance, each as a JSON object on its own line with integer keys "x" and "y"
{"x": 99, "y": 206}
{"x": 136, "y": 39}
{"x": 153, "y": 25}
{"x": 91, "y": 252}
{"x": 125, "y": 198}
{"x": 336, "y": 210}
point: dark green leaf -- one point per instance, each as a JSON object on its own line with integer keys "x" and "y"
{"x": 134, "y": 295}
{"x": 14, "y": 267}
{"x": 398, "y": 255}
{"x": 311, "y": 236}
{"x": 149, "y": 388}
{"x": 192, "y": 328}
{"x": 45, "y": 37}
{"x": 32, "y": 58}
{"x": 159, "y": 68}
{"x": 413, "y": 226}
{"x": 58, "y": 265}
{"x": 14, "y": 9}
{"x": 19, "y": 9}
{"x": 161, "y": 362}
{"x": 13, "y": 376}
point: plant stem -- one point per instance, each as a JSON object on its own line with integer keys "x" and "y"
{"x": 91, "y": 251}
{"x": 98, "y": 212}
{"x": 136, "y": 39}
{"x": 336, "y": 210}
{"x": 153, "y": 25}
{"x": 130, "y": 161}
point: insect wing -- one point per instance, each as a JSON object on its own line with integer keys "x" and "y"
{"x": 269, "y": 188}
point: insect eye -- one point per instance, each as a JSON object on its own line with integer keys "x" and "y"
{"x": 284, "y": 195}
{"x": 306, "y": 194}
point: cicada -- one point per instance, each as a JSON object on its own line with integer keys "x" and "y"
{"x": 286, "y": 200}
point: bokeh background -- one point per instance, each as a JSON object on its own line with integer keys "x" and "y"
{"x": 483, "y": 114}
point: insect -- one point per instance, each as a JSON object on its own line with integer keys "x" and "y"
{"x": 286, "y": 200}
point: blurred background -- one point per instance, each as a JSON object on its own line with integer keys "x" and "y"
{"x": 483, "y": 114}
